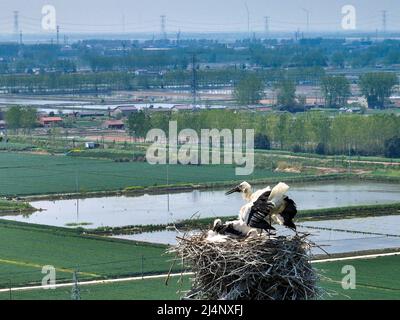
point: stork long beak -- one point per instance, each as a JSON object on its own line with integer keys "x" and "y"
{"x": 235, "y": 189}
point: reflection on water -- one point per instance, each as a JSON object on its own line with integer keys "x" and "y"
{"x": 153, "y": 209}
{"x": 331, "y": 241}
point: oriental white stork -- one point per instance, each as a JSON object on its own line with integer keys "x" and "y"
{"x": 262, "y": 208}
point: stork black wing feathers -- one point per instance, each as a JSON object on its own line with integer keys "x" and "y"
{"x": 259, "y": 211}
{"x": 262, "y": 208}
{"x": 289, "y": 213}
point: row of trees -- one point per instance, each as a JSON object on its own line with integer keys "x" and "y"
{"x": 21, "y": 117}
{"x": 100, "y": 81}
{"x": 115, "y": 55}
{"x": 376, "y": 87}
{"x": 308, "y": 132}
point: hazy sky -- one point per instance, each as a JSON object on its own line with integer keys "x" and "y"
{"x": 199, "y": 15}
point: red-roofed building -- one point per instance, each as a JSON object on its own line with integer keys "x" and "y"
{"x": 50, "y": 121}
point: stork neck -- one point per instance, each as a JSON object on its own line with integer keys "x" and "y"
{"x": 247, "y": 194}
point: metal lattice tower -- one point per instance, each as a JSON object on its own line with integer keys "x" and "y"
{"x": 194, "y": 80}
{"x": 266, "y": 27}
{"x": 308, "y": 13}
{"x": 384, "y": 21}
{"x": 178, "y": 38}
{"x": 163, "y": 27}
{"x": 58, "y": 35}
{"x": 76, "y": 291}
{"x": 16, "y": 22}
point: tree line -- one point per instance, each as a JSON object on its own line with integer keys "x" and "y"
{"x": 306, "y": 132}
{"x": 376, "y": 87}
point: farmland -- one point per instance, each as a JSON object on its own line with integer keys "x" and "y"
{"x": 27, "y": 248}
{"x": 373, "y": 281}
{"x": 27, "y": 174}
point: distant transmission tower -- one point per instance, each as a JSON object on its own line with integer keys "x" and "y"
{"x": 16, "y": 22}
{"x": 123, "y": 24}
{"x": 194, "y": 80}
{"x": 178, "y": 38}
{"x": 76, "y": 291}
{"x": 58, "y": 35}
{"x": 163, "y": 27}
{"x": 308, "y": 18}
{"x": 384, "y": 21}
{"x": 248, "y": 19}
{"x": 266, "y": 27}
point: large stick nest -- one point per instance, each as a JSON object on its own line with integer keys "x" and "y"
{"x": 253, "y": 268}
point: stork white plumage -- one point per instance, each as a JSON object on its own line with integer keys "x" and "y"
{"x": 262, "y": 208}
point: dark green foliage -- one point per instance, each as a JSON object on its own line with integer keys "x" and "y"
{"x": 286, "y": 93}
{"x": 261, "y": 141}
{"x": 377, "y": 87}
{"x": 320, "y": 149}
{"x": 138, "y": 123}
{"x": 392, "y": 147}
{"x": 336, "y": 90}
{"x": 249, "y": 90}
{"x": 20, "y": 117}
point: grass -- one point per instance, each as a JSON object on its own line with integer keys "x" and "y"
{"x": 7, "y": 206}
{"x": 32, "y": 174}
{"x": 375, "y": 279}
{"x": 386, "y": 173}
{"x": 26, "y": 248}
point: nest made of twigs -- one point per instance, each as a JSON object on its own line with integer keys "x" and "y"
{"x": 253, "y": 268}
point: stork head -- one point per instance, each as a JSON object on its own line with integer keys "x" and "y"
{"x": 244, "y": 187}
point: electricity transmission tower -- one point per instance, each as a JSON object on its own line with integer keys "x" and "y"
{"x": 58, "y": 35}
{"x": 308, "y": 18}
{"x": 76, "y": 291}
{"x": 384, "y": 21}
{"x": 248, "y": 19}
{"x": 194, "y": 80}
{"x": 16, "y": 22}
{"x": 163, "y": 27}
{"x": 266, "y": 27}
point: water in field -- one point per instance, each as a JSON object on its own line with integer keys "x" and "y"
{"x": 36, "y": 102}
{"x": 164, "y": 208}
{"x": 372, "y": 233}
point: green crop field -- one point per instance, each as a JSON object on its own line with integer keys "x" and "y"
{"x": 28, "y": 174}
{"x": 25, "y": 249}
{"x": 374, "y": 280}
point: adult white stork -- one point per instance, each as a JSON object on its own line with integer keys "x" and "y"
{"x": 262, "y": 207}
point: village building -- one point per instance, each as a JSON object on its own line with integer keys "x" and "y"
{"x": 50, "y": 121}
{"x": 124, "y": 111}
{"x": 114, "y": 124}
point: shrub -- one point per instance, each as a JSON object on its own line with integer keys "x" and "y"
{"x": 392, "y": 147}
{"x": 320, "y": 149}
{"x": 261, "y": 141}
